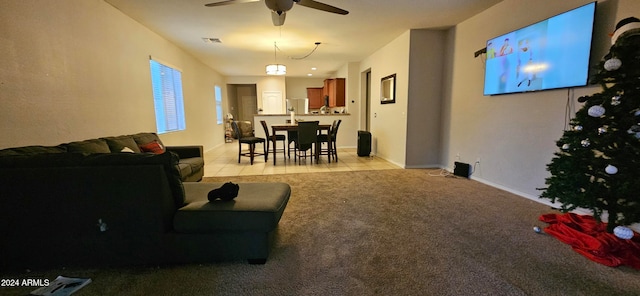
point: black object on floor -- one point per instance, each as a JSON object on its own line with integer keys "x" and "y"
{"x": 364, "y": 143}
{"x": 462, "y": 169}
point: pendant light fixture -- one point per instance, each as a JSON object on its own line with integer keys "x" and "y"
{"x": 275, "y": 68}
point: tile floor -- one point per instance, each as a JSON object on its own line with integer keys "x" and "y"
{"x": 223, "y": 161}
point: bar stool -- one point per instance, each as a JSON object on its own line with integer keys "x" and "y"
{"x": 246, "y": 136}
{"x": 273, "y": 138}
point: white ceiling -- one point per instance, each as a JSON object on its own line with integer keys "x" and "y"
{"x": 248, "y": 35}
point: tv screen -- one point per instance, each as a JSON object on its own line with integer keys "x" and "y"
{"x": 550, "y": 54}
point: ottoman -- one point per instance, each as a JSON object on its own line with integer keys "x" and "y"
{"x": 241, "y": 228}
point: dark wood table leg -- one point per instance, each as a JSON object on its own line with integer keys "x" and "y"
{"x": 273, "y": 133}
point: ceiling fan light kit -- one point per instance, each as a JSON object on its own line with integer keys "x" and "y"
{"x": 279, "y": 6}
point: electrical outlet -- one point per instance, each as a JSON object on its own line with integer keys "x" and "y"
{"x": 478, "y": 160}
{"x": 458, "y": 156}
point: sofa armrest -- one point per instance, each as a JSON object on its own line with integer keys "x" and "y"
{"x": 186, "y": 151}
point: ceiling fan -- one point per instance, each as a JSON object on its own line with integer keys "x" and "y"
{"x": 279, "y": 8}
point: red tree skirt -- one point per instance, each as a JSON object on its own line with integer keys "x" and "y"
{"x": 591, "y": 239}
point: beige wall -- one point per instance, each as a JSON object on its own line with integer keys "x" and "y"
{"x": 351, "y": 71}
{"x": 627, "y": 8}
{"x": 512, "y": 135}
{"x": 407, "y": 132}
{"x": 389, "y": 121}
{"x": 297, "y": 87}
{"x": 425, "y": 95}
{"x": 348, "y": 131}
{"x": 78, "y": 69}
{"x": 263, "y": 83}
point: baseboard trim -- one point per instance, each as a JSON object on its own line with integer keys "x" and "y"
{"x": 516, "y": 192}
{"x": 579, "y": 211}
{"x": 424, "y": 166}
{"x": 525, "y": 195}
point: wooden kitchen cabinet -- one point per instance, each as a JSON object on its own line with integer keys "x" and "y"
{"x": 335, "y": 89}
{"x": 315, "y": 94}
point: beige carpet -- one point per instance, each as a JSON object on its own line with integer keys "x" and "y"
{"x": 386, "y": 232}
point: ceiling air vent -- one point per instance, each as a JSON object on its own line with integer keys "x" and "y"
{"x": 211, "y": 40}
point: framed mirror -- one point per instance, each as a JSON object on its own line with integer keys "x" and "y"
{"x": 388, "y": 89}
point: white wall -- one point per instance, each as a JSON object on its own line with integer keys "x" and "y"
{"x": 78, "y": 69}
{"x": 513, "y": 135}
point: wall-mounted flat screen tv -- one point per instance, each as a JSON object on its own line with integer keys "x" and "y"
{"x": 550, "y": 54}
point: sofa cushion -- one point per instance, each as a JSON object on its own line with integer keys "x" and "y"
{"x": 185, "y": 169}
{"x": 153, "y": 147}
{"x": 30, "y": 150}
{"x": 195, "y": 163}
{"x": 258, "y": 207}
{"x": 145, "y": 138}
{"x": 246, "y": 128}
{"x": 117, "y": 144}
{"x": 89, "y": 146}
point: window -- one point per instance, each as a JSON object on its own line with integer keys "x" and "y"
{"x": 167, "y": 97}
{"x": 218, "y": 104}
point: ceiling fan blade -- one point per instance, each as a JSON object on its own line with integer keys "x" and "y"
{"x": 227, "y": 2}
{"x": 278, "y": 19}
{"x": 321, "y": 6}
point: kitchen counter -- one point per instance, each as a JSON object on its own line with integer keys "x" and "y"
{"x": 326, "y": 114}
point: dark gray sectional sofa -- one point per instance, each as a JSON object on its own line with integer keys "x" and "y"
{"x": 190, "y": 158}
{"x": 63, "y": 206}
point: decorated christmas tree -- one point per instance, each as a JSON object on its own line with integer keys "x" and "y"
{"x": 597, "y": 166}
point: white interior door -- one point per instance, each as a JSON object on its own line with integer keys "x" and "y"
{"x": 272, "y": 102}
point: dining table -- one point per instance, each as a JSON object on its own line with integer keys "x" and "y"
{"x": 291, "y": 127}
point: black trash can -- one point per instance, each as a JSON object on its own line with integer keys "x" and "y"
{"x": 364, "y": 143}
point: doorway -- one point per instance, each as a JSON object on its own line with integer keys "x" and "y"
{"x": 365, "y": 113}
{"x": 243, "y": 101}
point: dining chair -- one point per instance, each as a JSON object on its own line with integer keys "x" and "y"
{"x": 273, "y": 138}
{"x": 245, "y": 134}
{"x": 330, "y": 139}
{"x": 292, "y": 137}
{"x": 307, "y": 139}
